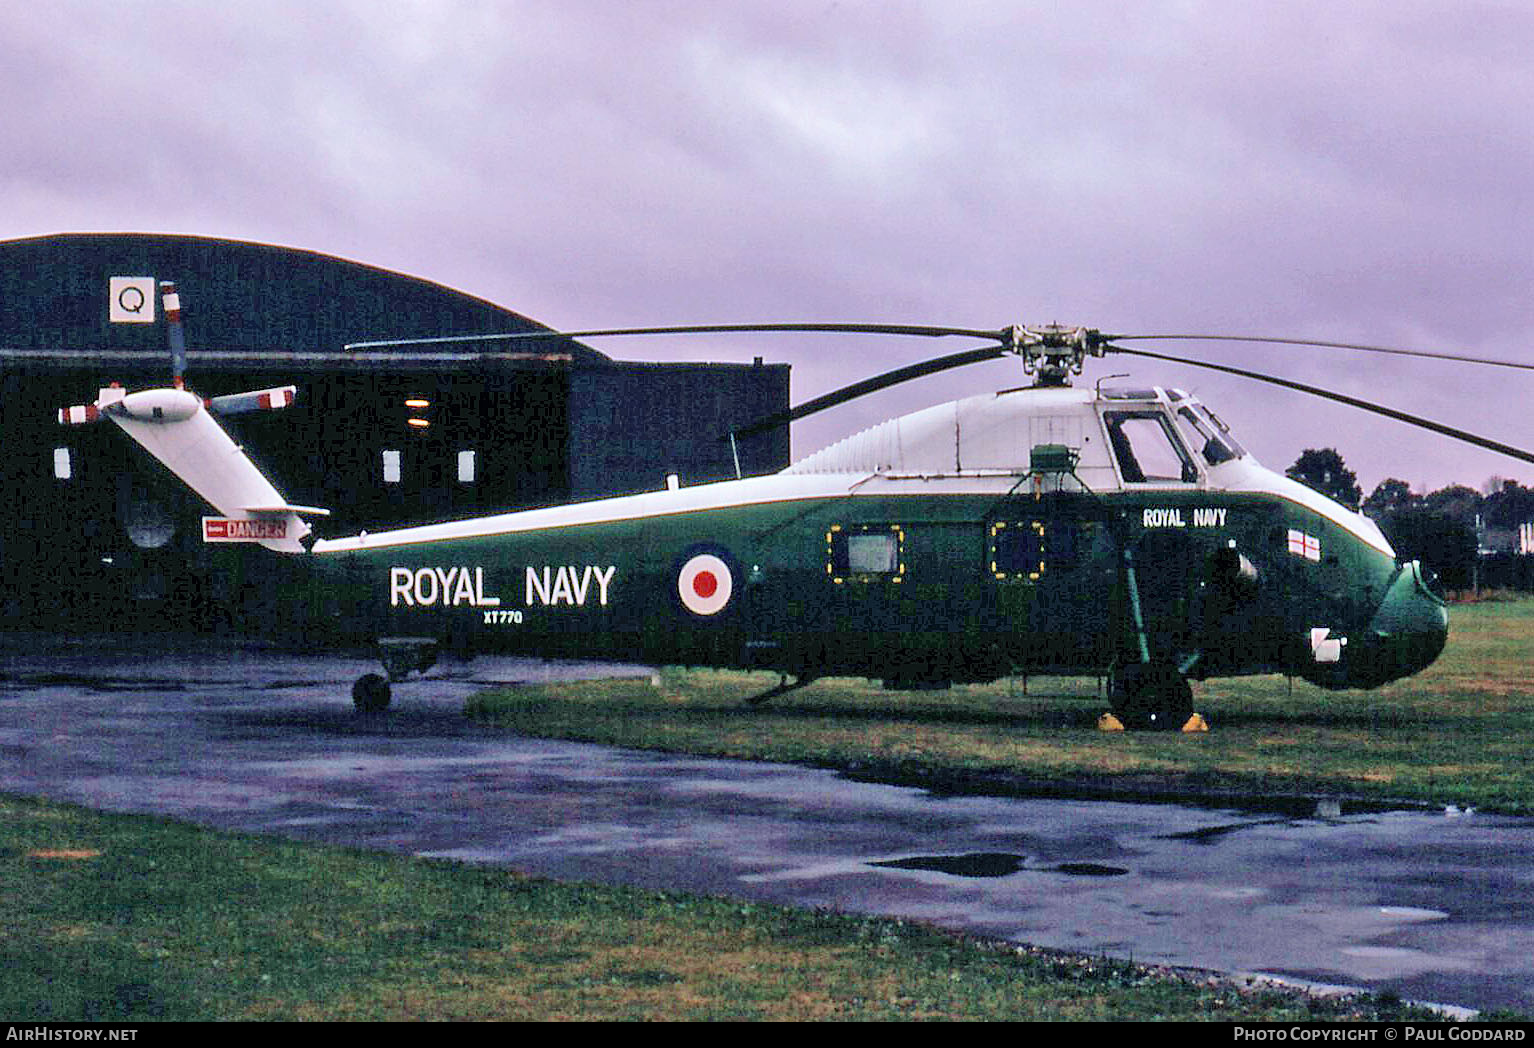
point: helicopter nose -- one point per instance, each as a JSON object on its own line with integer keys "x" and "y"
{"x": 1407, "y": 633}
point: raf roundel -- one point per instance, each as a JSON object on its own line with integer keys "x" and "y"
{"x": 705, "y": 584}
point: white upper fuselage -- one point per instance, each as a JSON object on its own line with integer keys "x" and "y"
{"x": 979, "y": 445}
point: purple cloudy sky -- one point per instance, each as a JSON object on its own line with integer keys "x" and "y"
{"x": 1346, "y": 171}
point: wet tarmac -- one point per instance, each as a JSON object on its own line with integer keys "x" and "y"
{"x": 1432, "y": 906}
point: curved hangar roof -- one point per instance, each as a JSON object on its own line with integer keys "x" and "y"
{"x": 241, "y": 300}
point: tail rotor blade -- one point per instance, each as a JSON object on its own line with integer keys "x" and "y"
{"x": 177, "y": 338}
{"x": 259, "y": 400}
{"x": 79, "y": 415}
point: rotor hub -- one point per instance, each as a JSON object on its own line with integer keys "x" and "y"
{"x": 1053, "y": 352}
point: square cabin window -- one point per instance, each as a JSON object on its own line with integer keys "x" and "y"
{"x": 1017, "y": 549}
{"x": 865, "y": 553}
{"x": 1031, "y": 548}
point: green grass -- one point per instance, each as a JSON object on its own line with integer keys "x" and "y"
{"x": 119, "y": 918}
{"x": 1454, "y": 734}
{"x": 126, "y": 919}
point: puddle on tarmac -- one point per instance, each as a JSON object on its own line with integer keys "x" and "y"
{"x": 995, "y": 864}
{"x": 1090, "y": 869}
{"x": 980, "y": 864}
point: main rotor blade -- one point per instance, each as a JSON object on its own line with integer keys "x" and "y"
{"x": 919, "y": 330}
{"x": 873, "y": 385}
{"x": 1341, "y": 398}
{"x": 1424, "y": 354}
{"x": 1004, "y": 341}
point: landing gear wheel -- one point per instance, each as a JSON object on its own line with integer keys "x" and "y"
{"x": 1151, "y": 696}
{"x": 370, "y": 694}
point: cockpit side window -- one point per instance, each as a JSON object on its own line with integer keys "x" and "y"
{"x": 1147, "y": 448}
{"x": 1201, "y": 434}
{"x": 1204, "y": 430}
{"x": 1225, "y": 434}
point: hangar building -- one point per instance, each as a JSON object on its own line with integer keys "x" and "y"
{"x": 97, "y": 535}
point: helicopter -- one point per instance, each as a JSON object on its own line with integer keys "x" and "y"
{"x": 1118, "y": 531}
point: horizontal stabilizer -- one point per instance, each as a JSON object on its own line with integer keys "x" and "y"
{"x": 302, "y": 511}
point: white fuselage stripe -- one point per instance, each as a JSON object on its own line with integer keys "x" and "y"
{"x": 724, "y": 495}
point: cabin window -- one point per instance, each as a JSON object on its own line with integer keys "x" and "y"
{"x": 466, "y": 467}
{"x": 1029, "y": 549}
{"x": 391, "y": 467}
{"x": 865, "y": 553}
{"x": 63, "y": 466}
{"x": 1017, "y": 549}
{"x": 1147, "y": 449}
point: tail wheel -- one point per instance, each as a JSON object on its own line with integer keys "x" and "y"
{"x": 371, "y": 694}
{"x": 1151, "y": 696}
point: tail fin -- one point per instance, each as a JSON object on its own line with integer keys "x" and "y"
{"x": 177, "y": 427}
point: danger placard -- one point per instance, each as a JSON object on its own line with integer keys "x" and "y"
{"x": 242, "y": 529}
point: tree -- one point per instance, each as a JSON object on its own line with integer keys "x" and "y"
{"x": 1457, "y": 502}
{"x": 1509, "y": 506}
{"x": 1390, "y": 496}
{"x": 1323, "y": 470}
